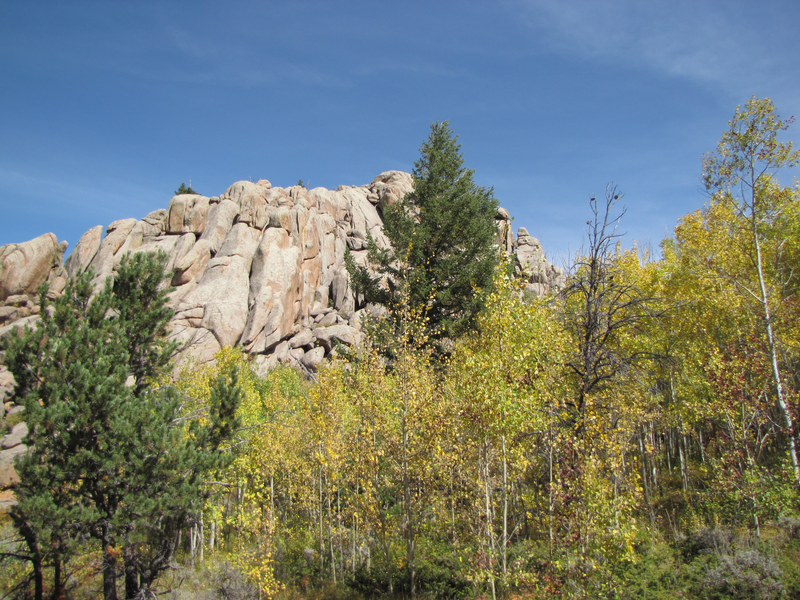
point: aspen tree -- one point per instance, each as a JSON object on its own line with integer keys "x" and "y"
{"x": 741, "y": 174}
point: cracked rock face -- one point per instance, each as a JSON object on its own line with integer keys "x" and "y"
{"x": 258, "y": 266}
{"x": 543, "y": 277}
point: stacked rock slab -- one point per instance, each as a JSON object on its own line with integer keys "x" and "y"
{"x": 543, "y": 277}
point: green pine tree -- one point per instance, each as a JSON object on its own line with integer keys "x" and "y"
{"x": 442, "y": 235}
{"x": 68, "y": 375}
{"x": 183, "y": 189}
{"x": 109, "y": 458}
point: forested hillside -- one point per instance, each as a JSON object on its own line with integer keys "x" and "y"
{"x": 631, "y": 436}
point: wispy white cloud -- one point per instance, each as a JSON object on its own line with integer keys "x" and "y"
{"x": 101, "y": 195}
{"x": 226, "y": 51}
{"x": 734, "y": 47}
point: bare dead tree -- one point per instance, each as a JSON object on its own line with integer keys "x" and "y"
{"x": 599, "y": 305}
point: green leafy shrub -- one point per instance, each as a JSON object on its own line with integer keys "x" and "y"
{"x": 436, "y": 578}
{"x": 706, "y": 541}
{"x": 10, "y": 420}
{"x": 370, "y": 581}
{"x": 655, "y": 575}
{"x": 440, "y": 578}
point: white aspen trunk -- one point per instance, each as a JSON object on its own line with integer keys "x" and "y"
{"x": 505, "y": 510}
{"x": 353, "y": 545}
{"x": 702, "y": 449}
{"x": 489, "y": 533}
{"x": 550, "y": 487}
{"x": 683, "y": 452}
{"x": 644, "y": 483}
{"x": 272, "y": 502}
{"x": 321, "y": 535}
{"x": 452, "y": 508}
{"x": 773, "y": 355}
{"x": 192, "y": 545}
{"x": 201, "y": 537}
{"x": 683, "y": 464}
{"x": 409, "y": 526}
{"x": 653, "y": 467}
{"x": 330, "y": 531}
{"x": 340, "y": 530}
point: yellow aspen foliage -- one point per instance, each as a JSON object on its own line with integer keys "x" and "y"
{"x": 243, "y": 514}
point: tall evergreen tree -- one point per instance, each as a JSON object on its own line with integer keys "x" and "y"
{"x": 442, "y": 242}
{"x": 110, "y": 456}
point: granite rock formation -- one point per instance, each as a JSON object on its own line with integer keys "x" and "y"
{"x": 257, "y": 266}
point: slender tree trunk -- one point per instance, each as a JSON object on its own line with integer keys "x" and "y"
{"x": 58, "y": 584}
{"x": 32, "y": 541}
{"x": 132, "y": 583}
{"x": 382, "y": 523}
{"x": 330, "y": 530}
{"x": 550, "y": 487}
{"x": 645, "y": 487}
{"x": 773, "y": 355}
{"x": 201, "y": 536}
{"x": 272, "y": 501}
{"x": 353, "y": 544}
{"x": 38, "y": 577}
{"x": 505, "y": 510}
{"x": 489, "y": 524}
{"x": 702, "y": 447}
{"x": 109, "y": 568}
{"x": 192, "y": 546}
{"x": 452, "y": 507}
{"x": 409, "y": 516}
{"x": 683, "y": 463}
{"x": 321, "y": 535}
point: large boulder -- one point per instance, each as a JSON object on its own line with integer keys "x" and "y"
{"x": 343, "y": 334}
{"x": 85, "y": 250}
{"x": 543, "y": 277}
{"x": 7, "y": 500}
{"x": 222, "y": 292}
{"x": 25, "y": 267}
{"x": 15, "y": 438}
{"x": 187, "y": 214}
{"x": 220, "y": 220}
{"x": 8, "y": 474}
{"x": 103, "y": 262}
{"x": 274, "y": 289}
{"x": 7, "y": 385}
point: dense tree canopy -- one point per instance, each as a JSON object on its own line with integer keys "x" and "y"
{"x": 442, "y": 235}
{"x": 111, "y": 456}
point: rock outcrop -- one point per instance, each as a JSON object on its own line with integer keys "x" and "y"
{"x": 258, "y": 266}
{"x": 25, "y": 267}
{"x": 543, "y": 277}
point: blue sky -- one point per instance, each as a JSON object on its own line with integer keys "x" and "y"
{"x": 106, "y": 107}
